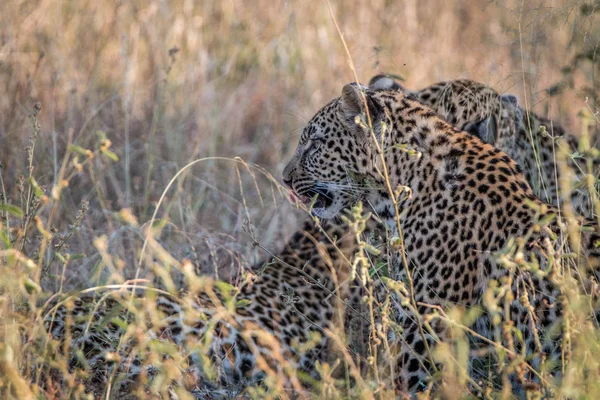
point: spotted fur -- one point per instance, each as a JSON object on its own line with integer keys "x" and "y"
{"x": 465, "y": 201}
{"x": 269, "y": 326}
{"x": 533, "y": 141}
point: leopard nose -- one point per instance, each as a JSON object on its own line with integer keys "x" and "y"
{"x": 288, "y": 173}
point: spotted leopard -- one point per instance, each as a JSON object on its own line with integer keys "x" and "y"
{"x": 459, "y": 202}
{"x": 533, "y": 141}
{"x": 275, "y": 326}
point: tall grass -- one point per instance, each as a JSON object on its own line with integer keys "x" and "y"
{"x": 102, "y": 104}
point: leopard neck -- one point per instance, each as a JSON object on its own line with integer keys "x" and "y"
{"x": 431, "y": 162}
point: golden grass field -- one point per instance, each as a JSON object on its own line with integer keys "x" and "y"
{"x": 133, "y": 91}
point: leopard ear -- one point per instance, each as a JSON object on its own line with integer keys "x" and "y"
{"x": 384, "y": 82}
{"x": 353, "y": 105}
{"x": 352, "y": 102}
{"x": 484, "y": 129}
{"x": 510, "y": 99}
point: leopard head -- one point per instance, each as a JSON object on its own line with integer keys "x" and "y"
{"x": 336, "y": 153}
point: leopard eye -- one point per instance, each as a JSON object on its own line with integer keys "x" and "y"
{"x": 316, "y": 143}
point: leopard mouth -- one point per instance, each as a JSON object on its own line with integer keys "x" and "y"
{"x": 323, "y": 197}
{"x": 296, "y": 198}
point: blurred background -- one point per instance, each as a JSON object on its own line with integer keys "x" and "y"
{"x": 160, "y": 84}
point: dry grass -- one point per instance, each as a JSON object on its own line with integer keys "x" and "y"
{"x": 148, "y": 87}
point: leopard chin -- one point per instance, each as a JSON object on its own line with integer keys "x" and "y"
{"x": 328, "y": 208}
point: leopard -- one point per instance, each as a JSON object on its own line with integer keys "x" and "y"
{"x": 551, "y": 158}
{"x": 452, "y": 109}
{"x": 275, "y": 325}
{"x": 455, "y": 203}
{"x": 469, "y": 105}
{"x": 533, "y": 141}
